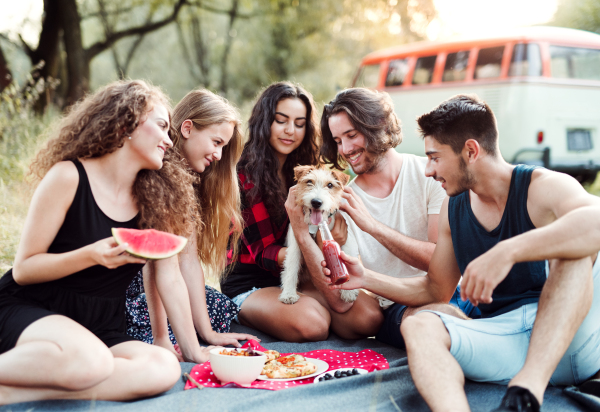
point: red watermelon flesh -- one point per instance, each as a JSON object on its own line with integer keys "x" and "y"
{"x": 149, "y": 243}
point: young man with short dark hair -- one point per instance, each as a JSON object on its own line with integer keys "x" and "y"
{"x": 500, "y": 226}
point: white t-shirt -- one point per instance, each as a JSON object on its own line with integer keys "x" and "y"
{"x": 405, "y": 210}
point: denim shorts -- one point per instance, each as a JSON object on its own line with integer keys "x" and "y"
{"x": 494, "y": 349}
{"x": 239, "y": 299}
{"x": 392, "y": 317}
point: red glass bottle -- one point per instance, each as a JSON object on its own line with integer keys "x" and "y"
{"x": 331, "y": 251}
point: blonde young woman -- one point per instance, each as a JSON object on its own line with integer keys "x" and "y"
{"x": 210, "y": 142}
{"x": 62, "y": 323}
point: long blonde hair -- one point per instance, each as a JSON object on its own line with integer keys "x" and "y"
{"x": 217, "y": 190}
{"x": 98, "y": 125}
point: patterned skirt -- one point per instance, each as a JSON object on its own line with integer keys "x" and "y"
{"x": 221, "y": 310}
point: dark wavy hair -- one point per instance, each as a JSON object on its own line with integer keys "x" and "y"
{"x": 371, "y": 113}
{"x": 260, "y": 164}
{"x": 459, "y": 119}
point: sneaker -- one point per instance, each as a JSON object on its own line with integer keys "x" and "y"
{"x": 591, "y": 387}
{"x": 518, "y": 399}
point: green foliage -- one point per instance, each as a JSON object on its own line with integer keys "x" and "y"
{"x": 20, "y": 128}
{"x": 594, "y": 187}
{"x": 318, "y": 43}
{"x": 20, "y": 136}
{"x": 579, "y": 14}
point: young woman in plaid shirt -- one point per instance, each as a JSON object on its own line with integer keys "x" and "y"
{"x": 283, "y": 133}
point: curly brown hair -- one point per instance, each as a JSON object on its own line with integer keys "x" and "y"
{"x": 217, "y": 190}
{"x": 259, "y": 162}
{"x": 371, "y": 113}
{"x": 98, "y": 125}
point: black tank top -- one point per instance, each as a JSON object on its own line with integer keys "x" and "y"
{"x": 470, "y": 239}
{"x": 85, "y": 223}
{"x": 94, "y": 297}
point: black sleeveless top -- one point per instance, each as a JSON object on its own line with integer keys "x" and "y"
{"x": 470, "y": 239}
{"x": 94, "y": 297}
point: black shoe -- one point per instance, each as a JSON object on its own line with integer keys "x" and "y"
{"x": 518, "y": 399}
{"x": 591, "y": 387}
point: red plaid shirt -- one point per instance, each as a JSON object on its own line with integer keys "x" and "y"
{"x": 261, "y": 239}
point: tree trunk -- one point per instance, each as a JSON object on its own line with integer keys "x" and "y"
{"x": 232, "y": 16}
{"x": 5, "y": 75}
{"x": 78, "y": 66}
{"x": 47, "y": 52}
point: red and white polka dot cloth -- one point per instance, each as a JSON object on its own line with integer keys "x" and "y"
{"x": 365, "y": 359}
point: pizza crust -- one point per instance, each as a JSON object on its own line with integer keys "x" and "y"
{"x": 286, "y": 367}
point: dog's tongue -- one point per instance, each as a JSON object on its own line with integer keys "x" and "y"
{"x": 316, "y": 216}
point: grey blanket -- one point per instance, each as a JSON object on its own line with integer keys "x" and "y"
{"x": 387, "y": 390}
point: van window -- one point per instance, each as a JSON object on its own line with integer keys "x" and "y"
{"x": 396, "y": 72}
{"x": 456, "y": 66}
{"x": 368, "y": 76}
{"x": 526, "y": 60}
{"x": 575, "y": 63}
{"x": 424, "y": 70}
{"x": 489, "y": 62}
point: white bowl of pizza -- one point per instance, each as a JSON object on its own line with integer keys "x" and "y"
{"x": 241, "y": 366}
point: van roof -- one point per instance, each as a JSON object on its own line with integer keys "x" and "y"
{"x": 556, "y": 35}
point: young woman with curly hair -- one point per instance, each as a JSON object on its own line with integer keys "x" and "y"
{"x": 207, "y": 130}
{"x": 62, "y": 306}
{"x": 283, "y": 133}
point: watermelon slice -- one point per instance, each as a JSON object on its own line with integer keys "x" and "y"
{"x": 149, "y": 243}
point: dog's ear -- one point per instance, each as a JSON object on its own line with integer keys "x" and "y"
{"x": 300, "y": 171}
{"x": 341, "y": 176}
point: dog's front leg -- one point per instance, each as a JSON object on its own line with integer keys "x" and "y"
{"x": 291, "y": 270}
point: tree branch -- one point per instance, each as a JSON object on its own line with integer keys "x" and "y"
{"x": 233, "y": 14}
{"x": 215, "y": 10}
{"x": 186, "y": 54}
{"x": 99, "y": 47}
{"x": 131, "y": 52}
{"x": 111, "y": 13}
{"x": 24, "y": 46}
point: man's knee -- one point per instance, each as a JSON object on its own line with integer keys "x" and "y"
{"x": 423, "y": 326}
{"x": 581, "y": 267}
{"x": 369, "y": 321}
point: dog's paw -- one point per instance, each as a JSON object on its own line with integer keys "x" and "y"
{"x": 349, "y": 296}
{"x": 289, "y": 298}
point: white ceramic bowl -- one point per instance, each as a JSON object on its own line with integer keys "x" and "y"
{"x": 242, "y": 370}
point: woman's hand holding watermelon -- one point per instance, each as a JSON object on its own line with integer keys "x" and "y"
{"x": 108, "y": 253}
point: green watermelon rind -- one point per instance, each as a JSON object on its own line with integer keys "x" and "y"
{"x": 132, "y": 252}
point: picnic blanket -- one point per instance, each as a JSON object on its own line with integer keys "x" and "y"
{"x": 383, "y": 390}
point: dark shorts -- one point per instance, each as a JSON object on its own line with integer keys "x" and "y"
{"x": 16, "y": 316}
{"x": 21, "y": 306}
{"x": 392, "y": 317}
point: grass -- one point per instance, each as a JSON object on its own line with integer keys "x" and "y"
{"x": 21, "y": 134}
{"x": 594, "y": 187}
